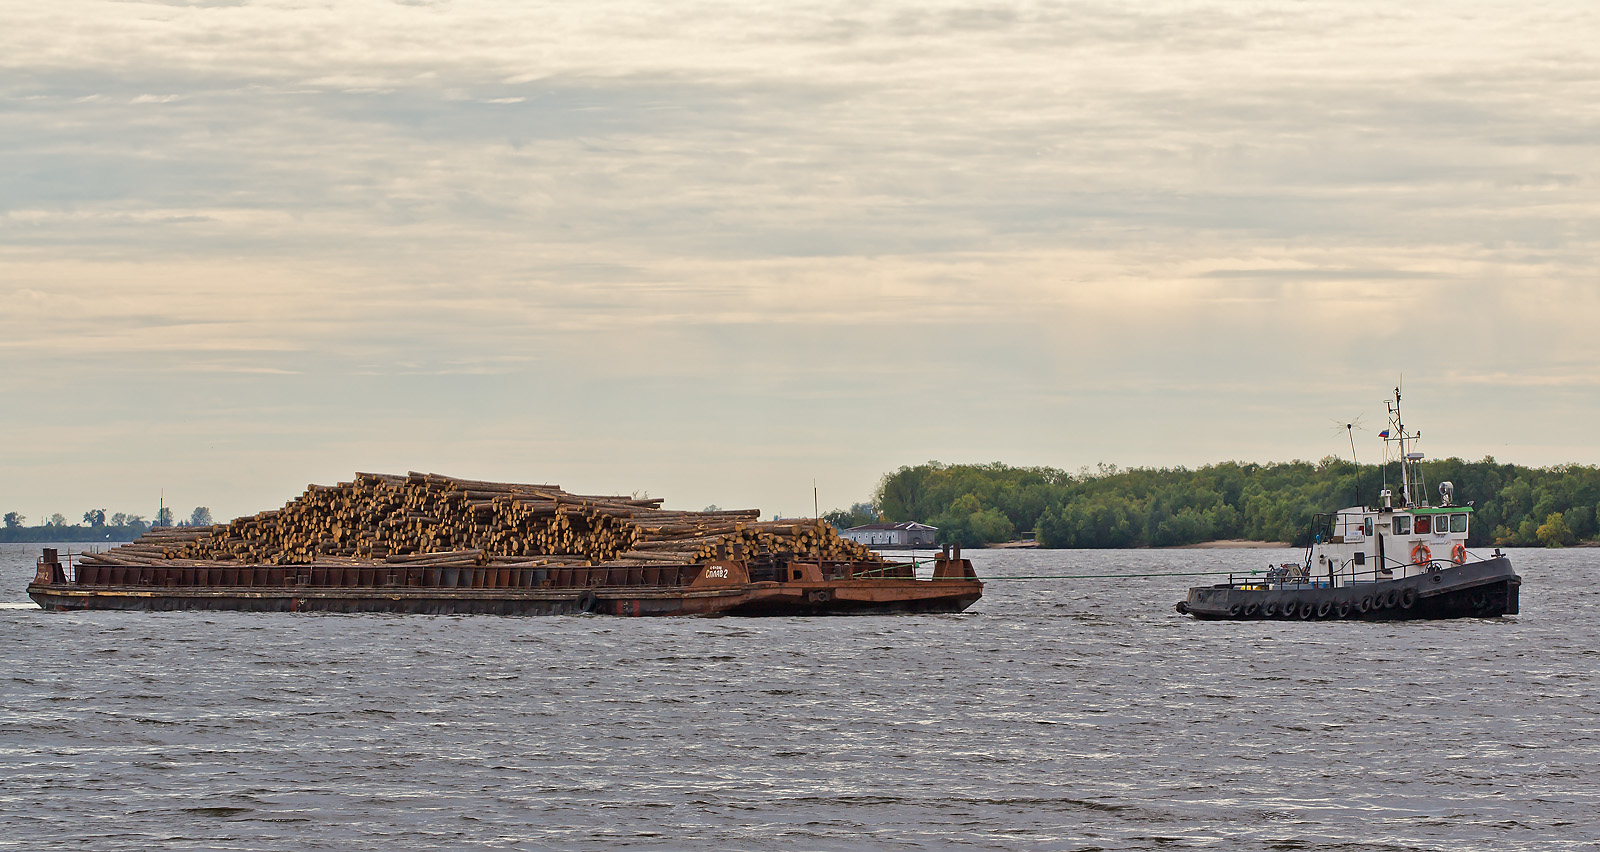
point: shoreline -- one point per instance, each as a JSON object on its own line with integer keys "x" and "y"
{"x": 1230, "y": 543}
{"x": 1221, "y": 543}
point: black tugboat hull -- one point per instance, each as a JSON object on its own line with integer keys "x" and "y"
{"x": 1486, "y": 589}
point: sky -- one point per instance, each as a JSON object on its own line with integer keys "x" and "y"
{"x": 726, "y": 253}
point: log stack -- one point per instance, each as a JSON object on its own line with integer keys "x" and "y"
{"x": 809, "y": 539}
{"x": 428, "y": 519}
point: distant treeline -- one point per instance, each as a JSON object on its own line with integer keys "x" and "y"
{"x": 96, "y": 526}
{"x": 49, "y": 533}
{"x": 1162, "y": 507}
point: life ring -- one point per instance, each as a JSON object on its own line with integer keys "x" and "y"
{"x": 588, "y": 601}
{"x": 1421, "y": 555}
{"x": 1458, "y": 554}
{"x": 1407, "y": 598}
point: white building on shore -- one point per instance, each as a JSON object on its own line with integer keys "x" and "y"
{"x": 903, "y": 534}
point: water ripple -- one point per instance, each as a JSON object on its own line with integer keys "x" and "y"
{"x": 1057, "y": 715}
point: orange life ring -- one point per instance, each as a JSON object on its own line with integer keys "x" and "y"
{"x": 1458, "y": 554}
{"x": 1421, "y": 555}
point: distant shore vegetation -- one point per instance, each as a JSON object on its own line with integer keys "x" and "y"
{"x": 96, "y": 526}
{"x": 1166, "y": 507}
{"x": 1108, "y": 507}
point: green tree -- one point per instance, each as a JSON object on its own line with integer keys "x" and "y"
{"x": 1554, "y": 532}
{"x": 1130, "y": 507}
{"x": 983, "y": 526}
{"x": 58, "y": 520}
{"x": 968, "y": 521}
{"x": 1053, "y": 530}
{"x": 1580, "y": 519}
{"x": 991, "y": 525}
{"x": 14, "y": 520}
{"x": 200, "y": 517}
{"x": 163, "y": 517}
{"x": 95, "y": 517}
{"x": 857, "y": 515}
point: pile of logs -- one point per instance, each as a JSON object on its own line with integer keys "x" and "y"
{"x": 814, "y": 539}
{"x": 428, "y": 519}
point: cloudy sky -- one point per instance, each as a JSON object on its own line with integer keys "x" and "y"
{"x": 718, "y": 251}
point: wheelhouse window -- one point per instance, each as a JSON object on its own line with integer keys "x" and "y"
{"x": 1458, "y": 522}
{"x": 1422, "y": 524}
{"x": 1367, "y": 529}
{"x": 1402, "y": 525}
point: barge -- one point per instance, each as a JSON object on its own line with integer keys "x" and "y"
{"x": 425, "y": 543}
{"x": 760, "y": 587}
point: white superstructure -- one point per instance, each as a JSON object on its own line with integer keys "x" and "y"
{"x": 1362, "y": 545}
{"x": 1368, "y": 544}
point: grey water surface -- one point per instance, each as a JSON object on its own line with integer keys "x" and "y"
{"x": 1060, "y": 714}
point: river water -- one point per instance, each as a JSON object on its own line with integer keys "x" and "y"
{"x": 1059, "y": 714}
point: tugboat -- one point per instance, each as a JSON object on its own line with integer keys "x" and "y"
{"x": 1385, "y": 563}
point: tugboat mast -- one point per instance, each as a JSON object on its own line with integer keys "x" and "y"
{"x": 1413, "y": 491}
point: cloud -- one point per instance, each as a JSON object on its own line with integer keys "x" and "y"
{"x": 1309, "y": 274}
{"x": 757, "y": 229}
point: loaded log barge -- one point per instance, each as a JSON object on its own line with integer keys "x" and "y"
{"x": 425, "y": 543}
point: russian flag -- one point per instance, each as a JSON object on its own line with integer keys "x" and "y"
{"x": 1384, "y": 434}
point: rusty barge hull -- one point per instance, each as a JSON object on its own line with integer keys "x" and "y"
{"x": 768, "y": 586}
{"x": 755, "y": 599}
